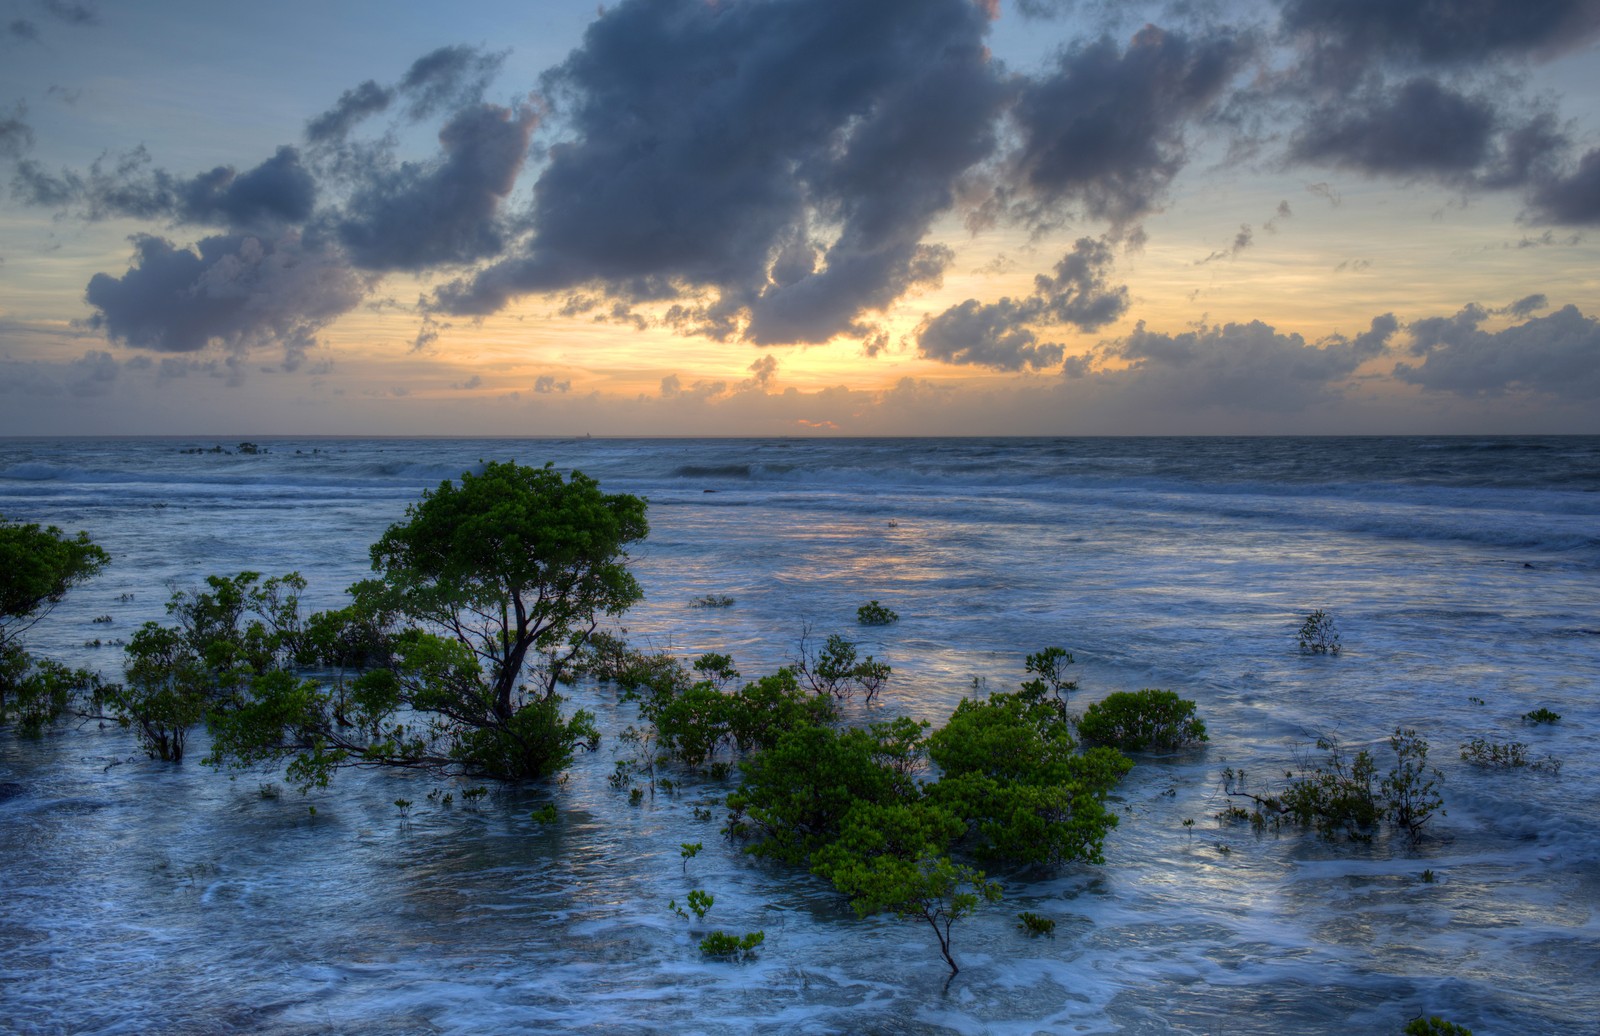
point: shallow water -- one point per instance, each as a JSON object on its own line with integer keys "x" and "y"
{"x": 145, "y": 898}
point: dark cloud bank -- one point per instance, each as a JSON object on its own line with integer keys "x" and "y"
{"x": 771, "y": 170}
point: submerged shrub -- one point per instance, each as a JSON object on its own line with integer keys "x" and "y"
{"x": 1433, "y": 1025}
{"x": 1338, "y": 797}
{"x": 1505, "y": 755}
{"x": 1541, "y": 715}
{"x": 1035, "y": 925}
{"x": 1318, "y": 634}
{"x": 849, "y": 804}
{"x": 1134, "y": 721}
{"x": 728, "y": 946}
{"x": 837, "y": 670}
{"x": 874, "y": 614}
{"x": 712, "y": 601}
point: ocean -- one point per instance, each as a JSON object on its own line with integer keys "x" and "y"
{"x": 1463, "y": 573}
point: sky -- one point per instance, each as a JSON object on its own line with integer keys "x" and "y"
{"x": 799, "y": 217}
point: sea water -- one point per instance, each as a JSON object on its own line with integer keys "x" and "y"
{"x": 1463, "y": 573}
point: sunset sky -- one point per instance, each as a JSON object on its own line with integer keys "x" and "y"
{"x": 786, "y": 217}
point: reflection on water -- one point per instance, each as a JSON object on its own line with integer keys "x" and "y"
{"x": 139, "y": 898}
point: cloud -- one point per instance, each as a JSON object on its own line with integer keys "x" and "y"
{"x": 1241, "y": 241}
{"x": 545, "y": 384}
{"x": 989, "y": 335}
{"x": 998, "y": 335}
{"x": 450, "y": 77}
{"x": 1525, "y": 306}
{"x": 1557, "y": 355}
{"x": 92, "y": 374}
{"x": 353, "y": 106}
{"x": 763, "y": 370}
{"x": 1238, "y": 366}
{"x": 772, "y": 167}
{"x": 1106, "y": 129}
{"x": 1354, "y": 32}
{"x": 239, "y": 291}
{"x": 415, "y": 216}
{"x": 1422, "y": 128}
{"x": 441, "y": 80}
{"x": 16, "y": 136}
{"x": 279, "y": 190}
{"x": 1573, "y": 199}
{"x": 22, "y": 29}
{"x": 71, "y": 13}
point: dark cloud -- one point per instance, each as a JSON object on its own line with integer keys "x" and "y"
{"x": 1422, "y": 128}
{"x": 763, "y": 370}
{"x": 279, "y": 190}
{"x": 353, "y": 106}
{"x": 71, "y": 13}
{"x": 16, "y": 136}
{"x": 547, "y": 383}
{"x": 1440, "y": 32}
{"x": 1105, "y": 130}
{"x": 990, "y": 335}
{"x": 239, "y": 291}
{"x": 450, "y": 77}
{"x": 1573, "y": 199}
{"x": 1241, "y": 240}
{"x": 1241, "y": 366}
{"x": 1557, "y": 355}
{"x": 442, "y": 80}
{"x": 22, "y": 29}
{"x": 1525, "y": 306}
{"x": 417, "y": 216}
{"x": 999, "y": 335}
{"x": 1077, "y": 292}
{"x": 92, "y": 374}
{"x": 783, "y": 160}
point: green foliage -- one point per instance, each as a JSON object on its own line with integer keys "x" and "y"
{"x": 699, "y": 901}
{"x": 1410, "y": 792}
{"x": 712, "y": 601}
{"x": 511, "y": 560}
{"x": 1049, "y": 676}
{"x": 874, "y": 614}
{"x": 797, "y": 793}
{"x": 693, "y": 720}
{"x": 1433, "y": 1025}
{"x": 1541, "y": 715}
{"x": 1319, "y": 635}
{"x": 1338, "y": 796}
{"x": 1134, "y": 721}
{"x": 851, "y": 806}
{"x": 38, "y": 565}
{"x": 727, "y": 946}
{"x": 166, "y": 691}
{"x": 1036, "y": 925}
{"x": 933, "y": 888}
{"x": 716, "y": 668}
{"x": 1505, "y": 755}
{"x": 487, "y": 594}
{"x": 837, "y": 670}
{"x": 1008, "y": 736}
{"x": 689, "y": 850}
{"x": 35, "y": 692}
{"x": 545, "y": 814}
